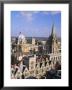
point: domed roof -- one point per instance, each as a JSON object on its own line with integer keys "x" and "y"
{"x": 21, "y": 36}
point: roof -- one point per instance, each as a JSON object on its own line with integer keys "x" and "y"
{"x": 54, "y": 54}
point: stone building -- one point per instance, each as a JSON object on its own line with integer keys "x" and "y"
{"x": 21, "y": 39}
{"x": 54, "y": 47}
{"x": 52, "y": 42}
{"x": 37, "y": 65}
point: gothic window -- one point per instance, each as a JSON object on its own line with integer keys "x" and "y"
{"x": 56, "y": 58}
{"x": 36, "y": 65}
{"x": 51, "y": 59}
{"x": 40, "y": 64}
{"x": 45, "y": 63}
{"x": 49, "y": 62}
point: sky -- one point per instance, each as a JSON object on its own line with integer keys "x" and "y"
{"x": 35, "y": 23}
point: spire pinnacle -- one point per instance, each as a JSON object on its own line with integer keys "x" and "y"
{"x": 53, "y": 30}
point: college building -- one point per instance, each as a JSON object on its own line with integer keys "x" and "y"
{"x": 34, "y": 59}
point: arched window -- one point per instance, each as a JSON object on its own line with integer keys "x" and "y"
{"x": 54, "y": 58}
{"x": 51, "y": 59}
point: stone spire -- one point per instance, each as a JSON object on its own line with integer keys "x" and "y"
{"x": 53, "y": 31}
{"x": 54, "y": 41}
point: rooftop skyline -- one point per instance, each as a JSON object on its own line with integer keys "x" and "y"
{"x": 35, "y": 23}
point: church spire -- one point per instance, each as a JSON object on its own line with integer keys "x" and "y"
{"x": 53, "y": 31}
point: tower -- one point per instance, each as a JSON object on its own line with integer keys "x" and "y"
{"x": 33, "y": 41}
{"x": 52, "y": 42}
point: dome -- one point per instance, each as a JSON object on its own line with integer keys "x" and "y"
{"x": 21, "y": 38}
